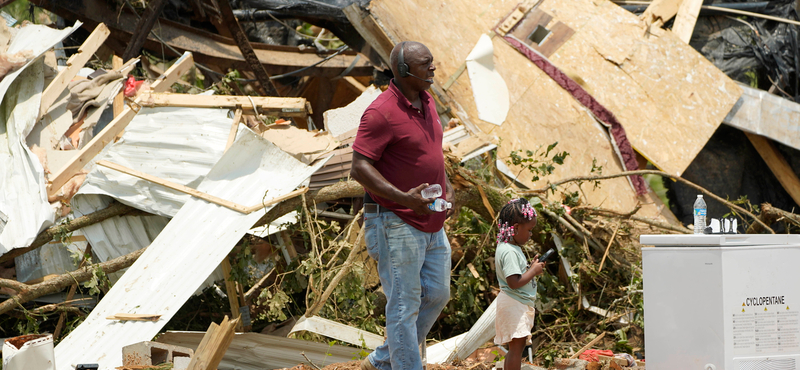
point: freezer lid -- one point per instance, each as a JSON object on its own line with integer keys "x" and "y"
{"x": 721, "y": 240}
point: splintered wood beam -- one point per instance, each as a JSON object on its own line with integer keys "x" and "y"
{"x": 119, "y": 99}
{"x": 237, "y": 117}
{"x": 660, "y": 11}
{"x": 230, "y": 290}
{"x": 74, "y": 64}
{"x": 247, "y": 50}
{"x": 213, "y": 346}
{"x": 369, "y": 29}
{"x": 686, "y": 19}
{"x": 143, "y": 27}
{"x": 288, "y": 107}
{"x": 777, "y": 164}
{"x": 114, "y": 128}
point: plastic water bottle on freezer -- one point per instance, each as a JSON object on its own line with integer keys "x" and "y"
{"x": 431, "y": 192}
{"x": 700, "y": 211}
{"x": 440, "y": 205}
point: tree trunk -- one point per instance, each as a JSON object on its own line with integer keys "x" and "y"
{"x": 114, "y": 209}
{"x": 62, "y": 281}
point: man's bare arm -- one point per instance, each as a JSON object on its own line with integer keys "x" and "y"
{"x": 365, "y": 173}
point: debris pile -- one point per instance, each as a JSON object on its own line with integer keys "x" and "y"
{"x": 176, "y": 192}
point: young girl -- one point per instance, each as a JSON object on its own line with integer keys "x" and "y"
{"x": 515, "y": 310}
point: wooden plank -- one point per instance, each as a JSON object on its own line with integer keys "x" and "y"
{"x": 455, "y": 76}
{"x": 560, "y": 34}
{"x": 173, "y": 73}
{"x": 353, "y": 83}
{"x": 369, "y": 29}
{"x": 199, "y": 194}
{"x": 588, "y": 345}
{"x": 660, "y": 11}
{"x": 74, "y": 64}
{"x": 230, "y": 289}
{"x": 119, "y": 99}
{"x": 210, "y": 351}
{"x": 143, "y": 27}
{"x": 289, "y": 107}
{"x": 115, "y": 127}
{"x": 181, "y": 188}
{"x": 237, "y": 117}
{"x": 686, "y": 19}
{"x": 777, "y": 164}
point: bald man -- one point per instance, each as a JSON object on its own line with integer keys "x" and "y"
{"x": 396, "y": 154}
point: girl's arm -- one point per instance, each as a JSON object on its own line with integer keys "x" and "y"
{"x": 517, "y": 281}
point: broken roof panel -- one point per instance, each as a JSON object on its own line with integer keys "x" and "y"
{"x": 191, "y": 246}
{"x": 24, "y": 209}
{"x": 176, "y": 144}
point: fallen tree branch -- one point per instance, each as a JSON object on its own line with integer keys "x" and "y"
{"x": 652, "y": 172}
{"x": 610, "y": 213}
{"x": 344, "y": 189}
{"x": 114, "y": 209}
{"x": 62, "y": 281}
{"x": 345, "y": 269}
{"x": 769, "y": 215}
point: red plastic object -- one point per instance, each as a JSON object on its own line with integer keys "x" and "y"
{"x": 591, "y": 354}
{"x": 131, "y": 86}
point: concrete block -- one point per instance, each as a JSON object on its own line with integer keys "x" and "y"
{"x": 153, "y": 353}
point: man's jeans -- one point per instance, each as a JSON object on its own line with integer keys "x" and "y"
{"x": 414, "y": 268}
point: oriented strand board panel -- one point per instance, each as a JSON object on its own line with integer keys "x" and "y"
{"x": 668, "y": 98}
{"x": 541, "y": 112}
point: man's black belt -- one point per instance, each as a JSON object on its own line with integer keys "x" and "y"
{"x": 372, "y": 208}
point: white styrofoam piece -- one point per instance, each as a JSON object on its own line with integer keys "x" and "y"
{"x": 718, "y": 240}
{"x": 345, "y": 119}
{"x": 335, "y": 330}
{"x": 24, "y": 197}
{"x": 488, "y": 87}
{"x": 765, "y": 114}
{"x": 189, "y": 248}
{"x": 255, "y": 351}
{"x": 176, "y": 144}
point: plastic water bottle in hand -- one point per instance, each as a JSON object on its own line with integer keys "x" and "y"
{"x": 700, "y": 210}
{"x": 431, "y": 192}
{"x": 440, "y": 205}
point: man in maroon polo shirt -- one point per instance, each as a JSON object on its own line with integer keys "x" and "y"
{"x": 397, "y": 153}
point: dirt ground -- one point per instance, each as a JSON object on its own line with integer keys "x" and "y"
{"x": 356, "y": 365}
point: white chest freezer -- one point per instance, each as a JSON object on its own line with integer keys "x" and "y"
{"x": 721, "y": 302}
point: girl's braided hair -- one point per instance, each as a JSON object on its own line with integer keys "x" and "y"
{"x": 516, "y": 211}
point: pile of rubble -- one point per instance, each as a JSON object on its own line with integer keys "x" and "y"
{"x": 137, "y": 178}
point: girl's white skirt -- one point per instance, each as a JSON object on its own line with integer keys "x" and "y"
{"x": 513, "y": 320}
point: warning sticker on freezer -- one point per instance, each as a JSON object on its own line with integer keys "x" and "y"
{"x": 771, "y": 329}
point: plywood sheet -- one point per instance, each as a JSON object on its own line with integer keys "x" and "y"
{"x": 541, "y": 112}
{"x": 667, "y": 96}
